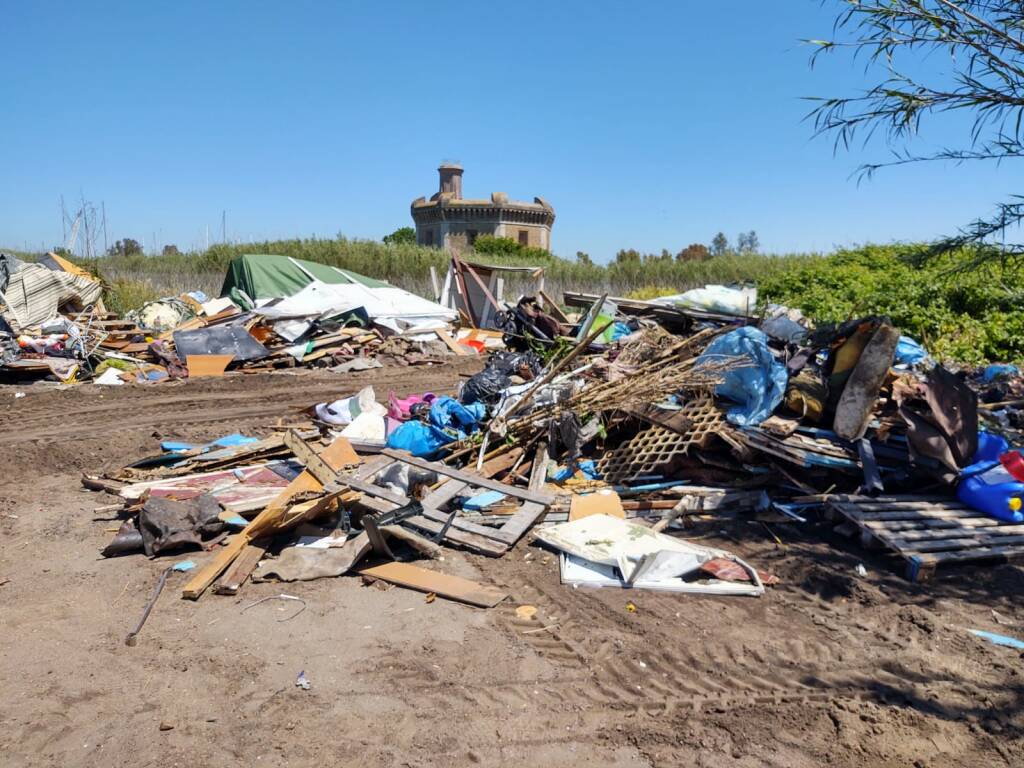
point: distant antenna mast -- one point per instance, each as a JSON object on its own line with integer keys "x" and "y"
{"x": 103, "y": 207}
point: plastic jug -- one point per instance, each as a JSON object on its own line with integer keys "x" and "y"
{"x": 994, "y": 484}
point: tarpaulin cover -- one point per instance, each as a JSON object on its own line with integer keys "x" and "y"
{"x": 909, "y": 352}
{"x": 449, "y": 421}
{"x": 260, "y": 276}
{"x": 758, "y": 386}
{"x": 34, "y": 293}
{"x": 219, "y": 340}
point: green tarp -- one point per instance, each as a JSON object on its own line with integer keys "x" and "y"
{"x": 261, "y": 276}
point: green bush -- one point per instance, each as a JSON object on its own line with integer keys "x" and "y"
{"x": 964, "y": 315}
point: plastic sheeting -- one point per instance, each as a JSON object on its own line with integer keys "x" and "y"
{"x": 449, "y": 421}
{"x": 758, "y": 386}
{"x": 716, "y": 298}
{"x": 909, "y": 352}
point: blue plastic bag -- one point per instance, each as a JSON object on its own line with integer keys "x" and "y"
{"x": 450, "y": 420}
{"x": 758, "y": 387}
{"x": 998, "y": 371}
{"x": 447, "y": 413}
{"x": 419, "y": 439}
{"x": 909, "y": 352}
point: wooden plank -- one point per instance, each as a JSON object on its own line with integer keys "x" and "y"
{"x": 894, "y": 526}
{"x": 375, "y": 490}
{"x": 553, "y": 309}
{"x": 205, "y": 576}
{"x": 340, "y": 454}
{"x": 471, "y": 478}
{"x": 914, "y": 506}
{"x": 481, "y": 544}
{"x": 372, "y": 466}
{"x": 265, "y": 523}
{"x": 444, "y": 493}
{"x": 437, "y": 515}
{"x": 938, "y": 514}
{"x": 529, "y": 513}
{"x": 323, "y": 466}
{"x": 952, "y": 542}
{"x": 240, "y": 570}
{"x": 441, "y": 584}
{"x": 922, "y": 567}
{"x": 499, "y": 464}
{"x": 459, "y": 349}
{"x": 856, "y": 499}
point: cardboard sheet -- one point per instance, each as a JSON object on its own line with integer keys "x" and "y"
{"x": 208, "y": 365}
{"x": 604, "y": 502}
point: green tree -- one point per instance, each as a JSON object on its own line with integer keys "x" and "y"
{"x": 719, "y": 245}
{"x": 631, "y": 256}
{"x": 979, "y": 72}
{"x": 170, "y": 250}
{"x": 126, "y": 247}
{"x": 401, "y": 236}
{"x": 747, "y": 242}
{"x": 584, "y": 259}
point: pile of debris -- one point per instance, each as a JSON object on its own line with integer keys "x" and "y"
{"x": 630, "y": 424}
{"x": 274, "y": 312}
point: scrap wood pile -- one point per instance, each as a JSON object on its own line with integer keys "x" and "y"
{"x": 274, "y": 312}
{"x": 606, "y": 448}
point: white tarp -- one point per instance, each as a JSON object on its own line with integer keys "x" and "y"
{"x": 391, "y": 307}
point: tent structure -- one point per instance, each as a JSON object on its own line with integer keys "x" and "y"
{"x": 283, "y": 287}
{"x": 252, "y": 277}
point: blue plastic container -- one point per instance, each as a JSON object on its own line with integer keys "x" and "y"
{"x": 988, "y": 486}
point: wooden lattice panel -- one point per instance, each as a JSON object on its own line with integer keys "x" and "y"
{"x": 706, "y": 420}
{"x": 642, "y": 454}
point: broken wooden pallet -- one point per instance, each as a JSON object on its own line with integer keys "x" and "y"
{"x": 931, "y": 531}
{"x": 485, "y": 540}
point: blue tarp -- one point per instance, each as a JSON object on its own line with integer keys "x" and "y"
{"x": 449, "y": 421}
{"x": 758, "y": 386}
{"x": 909, "y": 352}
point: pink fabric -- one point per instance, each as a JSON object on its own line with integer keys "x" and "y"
{"x": 399, "y": 409}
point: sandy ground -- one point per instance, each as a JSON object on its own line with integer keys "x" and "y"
{"x": 827, "y": 669}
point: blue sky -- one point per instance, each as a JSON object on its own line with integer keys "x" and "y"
{"x": 647, "y": 125}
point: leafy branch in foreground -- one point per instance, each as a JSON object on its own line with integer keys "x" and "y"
{"x": 984, "y": 43}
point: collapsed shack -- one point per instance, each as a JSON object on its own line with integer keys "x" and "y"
{"x": 274, "y": 312}
{"x": 603, "y": 447}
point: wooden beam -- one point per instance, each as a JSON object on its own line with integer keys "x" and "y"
{"x": 451, "y": 587}
{"x": 240, "y": 570}
{"x": 267, "y": 522}
{"x": 459, "y": 349}
{"x": 553, "y": 309}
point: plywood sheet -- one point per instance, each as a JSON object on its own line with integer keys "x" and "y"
{"x": 208, "y": 365}
{"x": 441, "y": 584}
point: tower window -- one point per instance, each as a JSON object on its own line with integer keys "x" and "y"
{"x": 524, "y": 237}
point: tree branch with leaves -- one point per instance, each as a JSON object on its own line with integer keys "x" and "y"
{"x": 983, "y": 41}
